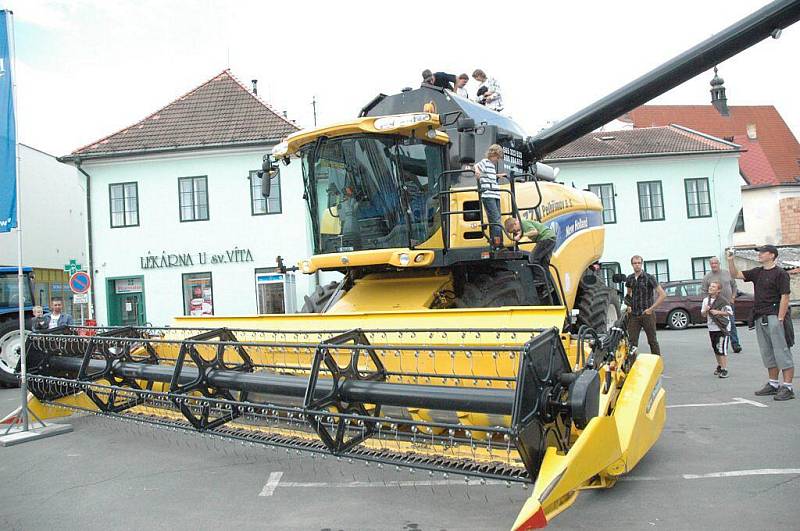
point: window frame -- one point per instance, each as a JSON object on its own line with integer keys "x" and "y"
{"x": 706, "y": 270}
{"x": 111, "y": 205}
{"x": 254, "y": 173}
{"x": 686, "y": 182}
{"x": 660, "y": 193}
{"x": 613, "y": 201}
{"x": 193, "y": 206}
{"x": 665, "y": 260}
{"x": 739, "y": 228}
{"x": 210, "y": 283}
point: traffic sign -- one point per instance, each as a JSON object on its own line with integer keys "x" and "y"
{"x": 72, "y": 267}
{"x": 80, "y": 282}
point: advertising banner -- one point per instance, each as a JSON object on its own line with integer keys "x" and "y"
{"x": 8, "y": 133}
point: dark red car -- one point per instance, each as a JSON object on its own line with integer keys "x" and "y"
{"x": 681, "y": 308}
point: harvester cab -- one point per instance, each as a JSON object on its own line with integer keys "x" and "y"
{"x": 433, "y": 352}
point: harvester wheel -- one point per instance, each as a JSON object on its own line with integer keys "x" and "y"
{"x": 598, "y": 306}
{"x": 493, "y": 289}
{"x": 9, "y": 353}
{"x": 316, "y": 302}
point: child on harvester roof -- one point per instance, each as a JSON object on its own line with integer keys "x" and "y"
{"x": 717, "y": 309}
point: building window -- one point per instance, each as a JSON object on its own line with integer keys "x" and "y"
{"x": 193, "y": 198}
{"x": 698, "y": 198}
{"x": 607, "y": 272}
{"x": 739, "y": 222}
{"x": 651, "y": 201}
{"x": 658, "y": 268}
{"x": 606, "y": 194}
{"x": 258, "y": 203}
{"x": 269, "y": 291}
{"x": 124, "y": 201}
{"x": 198, "y": 294}
{"x": 700, "y": 266}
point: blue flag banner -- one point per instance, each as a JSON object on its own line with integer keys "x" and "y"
{"x": 8, "y": 131}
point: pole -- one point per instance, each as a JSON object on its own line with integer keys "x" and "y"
{"x": 314, "y": 106}
{"x": 23, "y": 384}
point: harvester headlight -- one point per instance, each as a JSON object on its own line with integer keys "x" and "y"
{"x": 400, "y": 120}
{"x": 404, "y": 259}
{"x": 419, "y": 258}
{"x": 431, "y": 133}
{"x": 306, "y": 266}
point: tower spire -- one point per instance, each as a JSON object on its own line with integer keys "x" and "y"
{"x": 718, "y": 98}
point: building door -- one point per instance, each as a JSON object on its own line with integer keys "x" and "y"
{"x": 126, "y": 302}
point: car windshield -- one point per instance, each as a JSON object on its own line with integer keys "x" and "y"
{"x": 372, "y": 192}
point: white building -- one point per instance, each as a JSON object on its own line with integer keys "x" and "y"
{"x": 669, "y": 194}
{"x": 53, "y": 223}
{"x": 179, "y": 225}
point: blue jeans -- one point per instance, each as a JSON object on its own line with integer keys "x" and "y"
{"x": 492, "y": 207}
{"x": 734, "y": 334}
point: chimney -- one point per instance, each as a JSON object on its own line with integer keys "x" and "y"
{"x": 285, "y": 114}
{"x": 752, "y": 133}
{"x": 255, "y": 86}
{"x": 718, "y": 99}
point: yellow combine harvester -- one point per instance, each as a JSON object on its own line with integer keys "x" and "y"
{"x": 434, "y": 351}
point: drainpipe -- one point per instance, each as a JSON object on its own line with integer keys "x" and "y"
{"x": 89, "y": 226}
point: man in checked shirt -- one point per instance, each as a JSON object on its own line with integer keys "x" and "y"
{"x": 641, "y": 286}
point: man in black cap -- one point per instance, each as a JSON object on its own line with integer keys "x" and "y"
{"x": 770, "y": 309}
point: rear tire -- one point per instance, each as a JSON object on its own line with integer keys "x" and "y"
{"x": 598, "y": 306}
{"x": 9, "y": 353}
{"x": 679, "y": 319}
{"x": 492, "y": 289}
{"x": 316, "y": 302}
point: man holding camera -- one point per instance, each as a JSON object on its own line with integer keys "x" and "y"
{"x": 770, "y": 310}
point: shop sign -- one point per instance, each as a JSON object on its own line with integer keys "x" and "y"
{"x": 164, "y": 260}
{"x": 128, "y": 285}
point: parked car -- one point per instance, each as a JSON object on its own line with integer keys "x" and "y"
{"x": 684, "y": 299}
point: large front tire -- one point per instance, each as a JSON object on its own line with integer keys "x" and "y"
{"x": 317, "y": 301}
{"x": 598, "y": 306}
{"x": 492, "y": 289}
{"x": 10, "y": 349}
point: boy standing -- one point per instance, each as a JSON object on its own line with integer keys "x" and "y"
{"x": 486, "y": 171}
{"x": 717, "y": 309}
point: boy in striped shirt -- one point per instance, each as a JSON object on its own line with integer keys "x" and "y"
{"x": 486, "y": 171}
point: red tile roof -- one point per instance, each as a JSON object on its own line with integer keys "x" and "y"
{"x": 778, "y": 144}
{"x": 640, "y": 142}
{"x": 219, "y": 112}
{"x": 754, "y": 164}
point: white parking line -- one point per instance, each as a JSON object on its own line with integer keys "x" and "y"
{"x": 737, "y": 401}
{"x": 740, "y": 473}
{"x": 272, "y": 483}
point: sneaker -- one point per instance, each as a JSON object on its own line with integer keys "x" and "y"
{"x": 723, "y": 373}
{"x": 717, "y": 370}
{"x": 737, "y": 348}
{"x": 767, "y": 390}
{"x": 784, "y": 393}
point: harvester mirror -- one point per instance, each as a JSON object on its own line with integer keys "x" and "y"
{"x": 466, "y": 141}
{"x": 619, "y": 277}
{"x": 268, "y": 170}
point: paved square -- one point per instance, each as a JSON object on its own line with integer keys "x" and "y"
{"x": 726, "y": 460}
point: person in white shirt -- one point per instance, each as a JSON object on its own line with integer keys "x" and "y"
{"x": 55, "y": 318}
{"x": 461, "y": 82}
{"x": 486, "y": 171}
{"x": 489, "y": 91}
{"x": 717, "y": 309}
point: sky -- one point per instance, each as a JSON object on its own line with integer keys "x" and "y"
{"x": 88, "y": 68}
